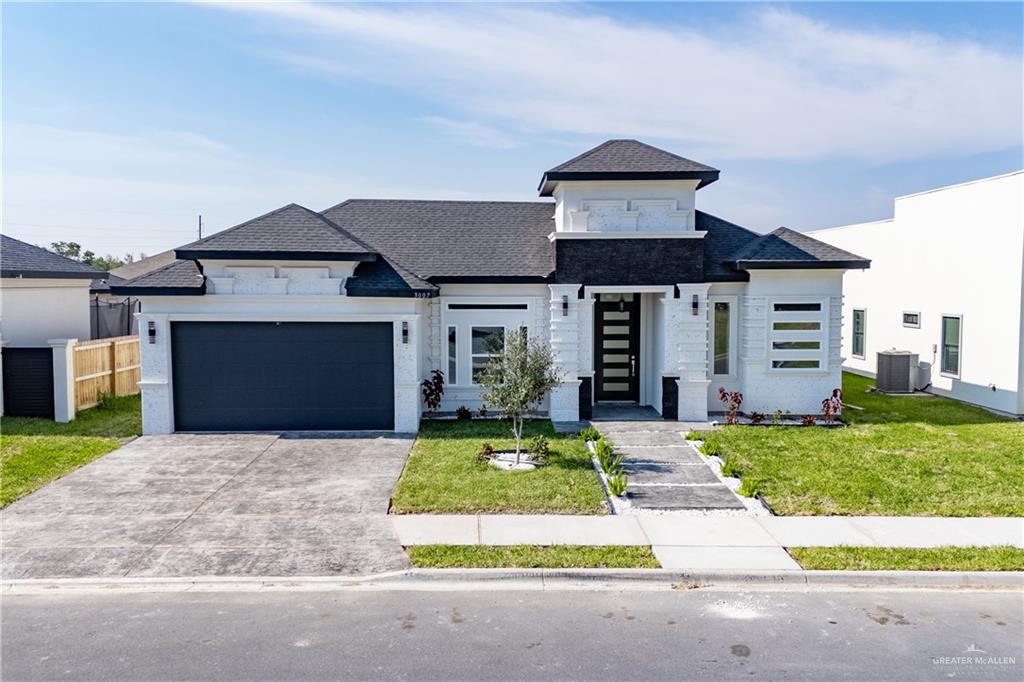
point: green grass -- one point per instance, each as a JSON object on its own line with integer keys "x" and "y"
{"x": 444, "y": 475}
{"x": 531, "y": 556}
{"x": 910, "y": 559}
{"x": 906, "y": 456}
{"x": 34, "y": 452}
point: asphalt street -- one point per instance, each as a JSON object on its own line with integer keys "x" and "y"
{"x": 702, "y": 634}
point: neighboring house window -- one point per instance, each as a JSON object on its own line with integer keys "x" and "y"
{"x": 453, "y": 356}
{"x": 487, "y": 343}
{"x": 723, "y": 335}
{"x": 951, "y": 344}
{"x": 798, "y": 335}
{"x": 912, "y": 320}
{"x": 860, "y": 320}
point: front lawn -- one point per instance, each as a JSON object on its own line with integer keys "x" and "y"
{"x": 910, "y": 558}
{"x": 445, "y": 476}
{"x": 34, "y": 452}
{"x": 531, "y": 556}
{"x": 902, "y": 456}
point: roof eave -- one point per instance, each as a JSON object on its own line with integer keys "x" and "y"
{"x": 489, "y": 279}
{"x": 551, "y": 178}
{"x": 802, "y": 264}
{"x": 45, "y": 274}
{"x": 158, "y": 291}
{"x": 211, "y": 254}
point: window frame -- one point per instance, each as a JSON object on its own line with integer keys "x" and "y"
{"x": 910, "y": 325}
{"x": 959, "y": 346}
{"x": 507, "y": 312}
{"x": 863, "y": 333}
{"x": 733, "y": 303}
{"x": 452, "y": 376}
{"x": 472, "y": 356}
{"x": 821, "y": 316}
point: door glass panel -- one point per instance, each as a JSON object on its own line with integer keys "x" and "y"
{"x": 616, "y": 358}
{"x": 721, "y": 338}
{"x": 610, "y": 315}
{"x": 615, "y": 387}
{"x": 617, "y": 372}
{"x": 615, "y": 344}
{"x": 610, "y": 329}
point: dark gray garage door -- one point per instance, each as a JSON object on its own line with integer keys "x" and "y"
{"x": 281, "y": 376}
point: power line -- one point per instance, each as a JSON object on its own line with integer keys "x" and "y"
{"x": 94, "y": 227}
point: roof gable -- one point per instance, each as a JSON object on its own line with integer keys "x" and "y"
{"x": 291, "y": 232}
{"x": 20, "y": 259}
{"x": 627, "y": 160}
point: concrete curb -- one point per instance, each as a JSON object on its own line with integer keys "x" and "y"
{"x": 536, "y": 580}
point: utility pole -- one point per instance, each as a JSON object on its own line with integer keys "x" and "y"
{"x": 200, "y": 225}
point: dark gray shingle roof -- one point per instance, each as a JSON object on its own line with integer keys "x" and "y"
{"x": 178, "y": 277}
{"x": 451, "y": 240}
{"x": 786, "y": 248}
{"x": 291, "y": 231}
{"x": 140, "y": 267}
{"x": 627, "y": 160}
{"x": 19, "y": 259}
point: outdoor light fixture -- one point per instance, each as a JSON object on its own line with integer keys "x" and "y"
{"x": 565, "y": 306}
{"x": 152, "y": 332}
{"x": 696, "y": 303}
{"x": 405, "y": 332}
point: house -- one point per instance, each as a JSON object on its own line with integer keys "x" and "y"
{"x": 946, "y": 284}
{"x": 301, "y": 319}
{"x": 111, "y": 315}
{"x": 43, "y": 296}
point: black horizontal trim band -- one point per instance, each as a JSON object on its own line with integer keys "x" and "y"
{"x": 196, "y": 254}
{"x": 705, "y": 177}
{"x": 45, "y": 274}
{"x": 802, "y": 264}
{"x": 384, "y": 292}
{"x": 487, "y": 306}
{"x": 488, "y": 279}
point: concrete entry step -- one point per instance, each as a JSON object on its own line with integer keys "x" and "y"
{"x": 681, "y": 454}
{"x": 647, "y": 438}
{"x": 683, "y": 497}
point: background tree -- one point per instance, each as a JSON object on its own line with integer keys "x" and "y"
{"x": 517, "y": 377}
{"x": 72, "y": 250}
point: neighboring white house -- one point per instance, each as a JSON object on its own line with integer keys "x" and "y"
{"x": 947, "y": 283}
{"x": 305, "y": 320}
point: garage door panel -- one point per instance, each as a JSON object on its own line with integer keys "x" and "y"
{"x": 282, "y": 376}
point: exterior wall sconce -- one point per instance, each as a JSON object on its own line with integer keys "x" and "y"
{"x": 152, "y": 332}
{"x": 695, "y": 306}
{"x": 565, "y": 306}
{"x": 405, "y": 332}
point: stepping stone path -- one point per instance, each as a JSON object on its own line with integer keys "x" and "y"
{"x": 665, "y": 471}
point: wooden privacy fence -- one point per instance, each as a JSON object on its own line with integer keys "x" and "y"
{"x": 106, "y": 367}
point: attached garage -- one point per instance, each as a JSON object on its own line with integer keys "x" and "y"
{"x": 282, "y": 376}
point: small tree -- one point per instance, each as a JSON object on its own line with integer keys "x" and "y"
{"x": 518, "y": 375}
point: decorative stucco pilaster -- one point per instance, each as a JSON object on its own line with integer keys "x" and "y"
{"x": 155, "y": 379}
{"x": 691, "y": 329}
{"x": 565, "y": 343}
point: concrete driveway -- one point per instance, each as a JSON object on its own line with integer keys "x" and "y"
{"x": 214, "y": 505}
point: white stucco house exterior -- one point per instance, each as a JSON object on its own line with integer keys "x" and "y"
{"x": 947, "y": 284}
{"x": 330, "y": 320}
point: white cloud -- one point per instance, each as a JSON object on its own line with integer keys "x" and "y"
{"x": 778, "y": 85}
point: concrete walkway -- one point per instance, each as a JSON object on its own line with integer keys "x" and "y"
{"x": 711, "y": 542}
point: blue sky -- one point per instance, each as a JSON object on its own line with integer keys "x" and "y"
{"x": 122, "y": 122}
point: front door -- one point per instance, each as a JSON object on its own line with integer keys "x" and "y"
{"x": 617, "y": 347}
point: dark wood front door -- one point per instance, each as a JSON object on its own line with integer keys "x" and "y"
{"x": 617, "y": 347}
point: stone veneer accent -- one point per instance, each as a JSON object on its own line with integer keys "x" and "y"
{"x": 626, "y": 262}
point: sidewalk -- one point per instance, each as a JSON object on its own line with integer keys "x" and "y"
{"x": 711, "y": 542}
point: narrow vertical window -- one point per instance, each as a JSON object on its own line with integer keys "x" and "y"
{"x": 721, "y": 343}
{"x": 951, "y": 345}
{"x": 859, "y": 326}
{"x": 453, "y": 377}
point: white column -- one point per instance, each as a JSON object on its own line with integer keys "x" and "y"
{"x": 2, "y": 344}
{"x": 63, "y": 379}
{"x": 155, "y": 379}
{"x": 407, "y": 375}
{"x": 565, "y": 343}
{"x": 691, "y": 330}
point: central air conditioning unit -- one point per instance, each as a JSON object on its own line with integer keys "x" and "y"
{"x": 896, "y": 371}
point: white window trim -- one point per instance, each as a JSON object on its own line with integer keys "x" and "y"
{"x": 821, "y": 316}
{"x": 959, "y": 346}
{"x": 465, "y": 320}
{"x": 447, "y": 355}
{"x": 908, "y": 325}
{"x": 734, "y": 334}
{"x": 863, "y": 333}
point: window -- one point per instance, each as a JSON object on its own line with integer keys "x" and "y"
{"x": 859, "y": 325}
{"x": 912, "y": 320}
{"x": 721, "y": 345}
{"x": 951, "y": 345}
{"x": 453, "y": 357}
{"x": 487, "y": 342}
{"x": 798, "y": 335}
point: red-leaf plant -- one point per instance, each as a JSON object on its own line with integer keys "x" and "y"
{"x": 832, "y": 406}
{"x": 732, "y": 401}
